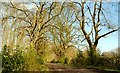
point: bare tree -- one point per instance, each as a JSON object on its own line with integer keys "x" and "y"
{"x": 63, "y": 31}
{"x": 93, "y": 18}
{"x": 31, "y": 22}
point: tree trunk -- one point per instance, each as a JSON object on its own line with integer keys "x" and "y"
{"x": 92, "y": 55}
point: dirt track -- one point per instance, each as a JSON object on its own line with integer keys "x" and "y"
{"x": 67, "y": 69}
{"x": 59, "y": 68}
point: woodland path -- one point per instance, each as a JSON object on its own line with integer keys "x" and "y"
{"x": 59, "y": 68}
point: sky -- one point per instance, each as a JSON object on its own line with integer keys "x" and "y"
{"x": 105, "y": 44}
{"x": 111, "y": 42}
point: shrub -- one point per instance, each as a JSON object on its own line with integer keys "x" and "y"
{"x": 53, "y": 61}
{"x": 34, "y": 62}
{"x": 79, "y": 61}
{"x": 13, "y": 62}
{"x": 63, "y": 60}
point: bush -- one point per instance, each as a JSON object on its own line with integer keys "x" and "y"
{"x": 79, "y": 61}
{"x": 13, "y": 62}
{"x": 63, "y": 60}
{"x": 108, "y": 63}
{"x": 53, "y": 61}
{"x": 21, "y": 61}
{"x": 34, "y": 62}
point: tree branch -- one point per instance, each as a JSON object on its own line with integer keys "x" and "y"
{"x": 108, "y": 33}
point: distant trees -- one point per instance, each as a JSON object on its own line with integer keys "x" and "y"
{"x": 64, "y": 33}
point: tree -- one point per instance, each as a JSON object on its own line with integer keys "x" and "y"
{"x": 30, "y": 23}
{"x": 93, "y": 18}
{"x": 26, "y": 27}
{"x": 63, "y": 33}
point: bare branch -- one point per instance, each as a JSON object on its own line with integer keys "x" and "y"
{"x": 20, "y": 19}
{"x": 108, "y": 33}
{"x": 89, "y": 10}
{"x": 24, "y": 11}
